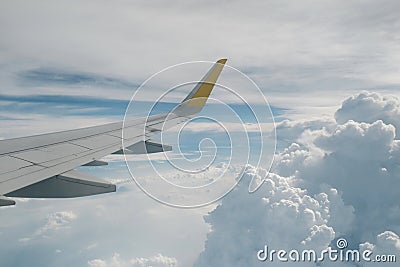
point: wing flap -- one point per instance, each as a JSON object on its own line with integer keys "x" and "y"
{"x": 5, "y": 201}
{"x": 96, "y": 163}
{"x": 67, "y": 185}
{"x": 144, "y": 147}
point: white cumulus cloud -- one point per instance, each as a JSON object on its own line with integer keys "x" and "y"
{"x": 370, "y": 107}
{"x": 279, "y": 215}
{"x": 333, "y": 179}
{"x": 387, "y": 248}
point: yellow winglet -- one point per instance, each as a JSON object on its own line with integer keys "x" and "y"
{"x": 222, "y": 61}
{"x": 198, "y": 96}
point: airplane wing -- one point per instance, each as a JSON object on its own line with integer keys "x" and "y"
{"x": 42, "y": 166}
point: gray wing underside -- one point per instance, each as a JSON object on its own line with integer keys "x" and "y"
{"x": 43, "y": 166}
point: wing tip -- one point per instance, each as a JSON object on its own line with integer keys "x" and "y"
{"x": 222, "y": 61}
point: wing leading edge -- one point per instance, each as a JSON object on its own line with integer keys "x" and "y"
{"x": 42, "y": 166}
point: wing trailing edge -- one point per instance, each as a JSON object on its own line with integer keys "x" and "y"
{"x": 67, "y": 185}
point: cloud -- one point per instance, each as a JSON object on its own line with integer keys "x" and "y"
{"x": 44, "y": 77}
{"x": 370, "y": 107}
{"x": 97, "y": 263}
{"x": 387, "y": 244}
{"x": 154, "y": 261}
{"x": 291, "y": 130}
{"x": 356, "y": 140}
{"x": 309, "y": 53}
{"x": 126, "y": 222}
{"x": 55, "y": 222}
{"x": 279, "y": 215}
{"x": 337, "y": 179}
{"x": 360, "y": 160}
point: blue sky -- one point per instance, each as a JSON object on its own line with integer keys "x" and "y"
{"x": 71, "y": 64}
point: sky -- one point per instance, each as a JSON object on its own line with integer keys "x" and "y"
{"x": 328, "y": 69}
